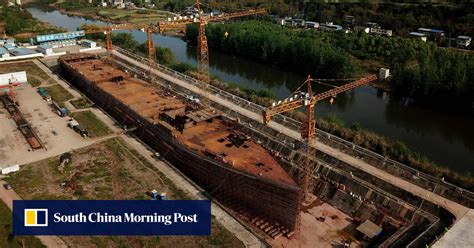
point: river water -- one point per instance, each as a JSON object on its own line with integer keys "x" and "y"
{"x": 446, "y": 139}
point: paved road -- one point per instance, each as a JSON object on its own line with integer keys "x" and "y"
{"x": 8, "y": 196}
{"x": 456, "y": 209}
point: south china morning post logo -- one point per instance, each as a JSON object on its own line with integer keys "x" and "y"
{"x": 111, "y": 217}
{"x": 36, "y": 217}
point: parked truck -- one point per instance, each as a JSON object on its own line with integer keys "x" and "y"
{"x": 74, "y": 125}
{"x": 61, "y": 111}
{"x": 44, "y": 94}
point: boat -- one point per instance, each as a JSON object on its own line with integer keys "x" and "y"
{"x": 201, "y": 143}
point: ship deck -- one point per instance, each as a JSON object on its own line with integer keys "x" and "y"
{"x": 216, "y": 138}
{"x": 212, "y": 137}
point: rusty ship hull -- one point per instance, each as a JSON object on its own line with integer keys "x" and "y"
{"x": 237, "y": 172}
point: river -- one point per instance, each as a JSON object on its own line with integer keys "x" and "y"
{"x": 444, "y": 138}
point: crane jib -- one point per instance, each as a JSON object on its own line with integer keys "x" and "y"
{"x": 294, "y": 103}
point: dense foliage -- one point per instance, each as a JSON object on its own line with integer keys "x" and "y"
{"x": 17, "y": 19}
{"x": 271, "y": 44}
{"x": 441, "y": 77}
{"x": 401, "y": 18}
{"x": 421, "y": 71}
{"x": 456, "y": 18}
{"x": 21, "y": 24}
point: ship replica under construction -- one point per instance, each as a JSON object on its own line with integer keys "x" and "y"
{"x": 202, "y": 144}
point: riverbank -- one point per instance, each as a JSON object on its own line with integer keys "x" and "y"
{"x": 111, "y": 14}
{"x": 21, "y": 25}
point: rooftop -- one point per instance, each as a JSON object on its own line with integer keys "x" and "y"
{"x": 3, "y": 50}
{"x": 369, "y": 229}
{"x": 60, "y": 36}
{"x": 9, "y": 46}
{"x": 417, "y": 34}
{"x": 44, "y": 46}
{"x": 430, "y": 30}
{"x": 22, "y": 51}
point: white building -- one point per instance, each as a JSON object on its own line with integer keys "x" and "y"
{"x": 329, "y": 26}
{"x": 13, "y": 78}
{"x": 89, "y": 44}
{"x": 45, "y": 49}
{"x": 10, "y": 169}
{"x": 312, "y": 24}
{"x": 116, "y": 2}
{"x": 419, "y": 36}
{"x": 380, "y": 31}
{"x": 384, "y": 73}
{"x": 463, "y": 41}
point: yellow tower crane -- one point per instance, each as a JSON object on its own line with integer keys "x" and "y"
{"x": 203, "y": 49}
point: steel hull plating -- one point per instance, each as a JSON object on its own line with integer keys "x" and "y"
{"x": 240, "y": 191}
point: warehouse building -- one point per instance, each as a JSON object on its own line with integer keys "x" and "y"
{"x": 4, "y": 53}
{"x": 45, "y": 49}
{"x": 60, "y": 39}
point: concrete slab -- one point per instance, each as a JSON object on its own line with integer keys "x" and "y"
{"x": 13, "y": 147}
{"x": 460, "y": 235}
{"x": 321, "y": 226}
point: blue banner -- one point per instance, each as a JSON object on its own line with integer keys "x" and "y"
{"x": 111, "y": 217}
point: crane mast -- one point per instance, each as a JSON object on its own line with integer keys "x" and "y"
{"x": 149, "y": 29}
{"x": 308, "y": 100}
{"x": 203, "y": 49}
{"x": 202, "y": 45}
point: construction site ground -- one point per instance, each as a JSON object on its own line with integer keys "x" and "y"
{"x": 14, "y": 150}
{"x": 13, "y": 146}
{"x": 322, "y": 225}
{"x": 109, "y": 170}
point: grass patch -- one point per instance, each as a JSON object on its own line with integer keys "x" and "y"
{"x": 81, "y": 103}
{"x": 91, "y": 123}
{"x": 109, "y": 170}
{"x": 6, "y": 237}
{"x": 179, "y": 193}
{"x": 58, "y": 93}
{"x": 34, "y": 74}
{"x": 220, "y": 236}
{"x": 135, "y": 16}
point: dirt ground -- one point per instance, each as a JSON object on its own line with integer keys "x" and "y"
{"x": 322, "y": 225}
{"x": 109, "y": 170}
